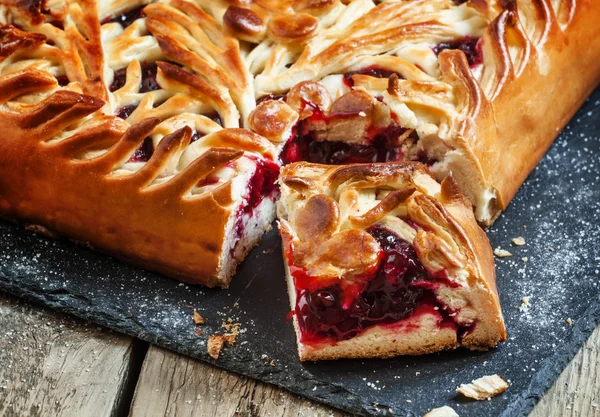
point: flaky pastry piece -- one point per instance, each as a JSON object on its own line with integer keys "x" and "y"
{"x": 381, "y": 260}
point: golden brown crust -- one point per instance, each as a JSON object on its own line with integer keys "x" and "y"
{"x": 322, "y": 204}
{"x": 539, "y": 90}
{"x": 463, "y": 112}
{"x": 59, "y": 61}
{"x": 142, "y": 236}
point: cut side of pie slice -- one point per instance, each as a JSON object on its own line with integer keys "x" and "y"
{"x": 382, "y": 260}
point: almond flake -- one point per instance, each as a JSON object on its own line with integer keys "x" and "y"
{"x": 444, "y": 411}
{"x": 483, "y": 388}
{"x": 518, "y": 241}
{"x": 501, "y": 253}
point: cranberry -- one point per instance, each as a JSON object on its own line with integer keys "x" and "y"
{"x": 125, "y": 112}
{"x": 215, "y": 117}
{"x": 261, "y": 185}
{"x": 387, "y": 297}
{"x": 207, "y": 181}
{"x": 469, "y": 45}
{"x": 196, "y": 135}
{"x": 62, "y": 80}
{"x": 372, "y": 71}
{"x": 147, "y": 84}
{"x": 305, "y": 148}
{"x": 143, "y": 152}
{"x": 127, "y": 18}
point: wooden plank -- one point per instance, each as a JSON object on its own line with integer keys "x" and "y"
{"x": 173, "y": 385}
{"x": 576, "y": 393}
{"x": 54, "y": 365}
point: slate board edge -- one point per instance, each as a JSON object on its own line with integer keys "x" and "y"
{"x": 540, "y": 382}
{"x": 553, "y": 365}
{"x": 128, "y": 327}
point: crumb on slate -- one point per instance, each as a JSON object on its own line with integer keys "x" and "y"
{"x": 570, "y": 321}
{"x": 198, "y": 319}
{"x": 483, "y": 388}
{"x": 518, "y": 241}
{"x": 502, "y": 253}
{"x": 217, "y": 341}
{"x": 525, "y": 305}
{"x": 525, "y": 259}
{"x": 444, "y": 411}
{"x": 215, "y": 345}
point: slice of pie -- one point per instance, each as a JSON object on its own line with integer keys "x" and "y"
{"x": 382, "y": 260}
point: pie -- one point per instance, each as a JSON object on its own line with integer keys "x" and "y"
{"x": 155, "y": 130}
{"x": 382, "y": 260}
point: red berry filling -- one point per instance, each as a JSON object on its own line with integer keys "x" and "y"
{"x": 303, "y": 147}
{"x": 127, "y": 18}
{"x": 372, "y": 71}
{"x": 469, "y": 45}
{"x": 392, "y": 293}
{"x": 278, "y": 97}
{"x": 148, "y": 82}
{"x": 262, "y": 185}
{"x": 62, "y": 80}
{"x": 143, "y": 152}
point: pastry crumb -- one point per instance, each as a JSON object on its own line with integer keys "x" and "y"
{"x": 444, "y": 411}
{"x": 518, "y": 241}
{"x": 217, "y": 341}
{"x": 502, "y": 253}
{"x": 525, "y": 305}
{"x": 525, "y": 259}
{"x": 551, "y": 249}
{"x": 570, "y": 321}
{"x": 483, "y": 388}
{"x": 198, "y": 319}
{"x": 215, "y": 345}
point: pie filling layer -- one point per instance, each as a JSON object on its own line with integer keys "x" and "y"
{"x": 398, "y": 289}
{"x": 382, "y": 148}
{"x": 469, "y": 45}
{"x": 383, "y": 144}
{"x": 262, "y": 185}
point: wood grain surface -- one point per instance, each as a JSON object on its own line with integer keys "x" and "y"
{"x": 174, "y": 385}
{"x": 576, "y": 393}
{"x": 53, "y": 365}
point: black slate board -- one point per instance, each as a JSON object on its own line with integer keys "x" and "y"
{"x": 558, "y": 207}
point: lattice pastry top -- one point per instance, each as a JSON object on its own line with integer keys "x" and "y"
{"x": 193, "y": 105}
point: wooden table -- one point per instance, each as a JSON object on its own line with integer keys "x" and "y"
{"x": 54, "y": 365}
